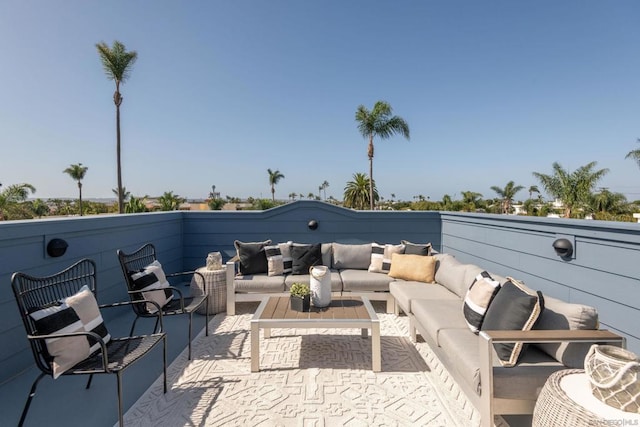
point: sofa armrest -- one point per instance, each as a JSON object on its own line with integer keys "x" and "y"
{"x": 231, "y": 288}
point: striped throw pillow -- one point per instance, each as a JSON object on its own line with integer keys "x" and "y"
{"x": 153, "y": 286}
{"x": 477, "y": 300}
{"x": 381, "y": 257}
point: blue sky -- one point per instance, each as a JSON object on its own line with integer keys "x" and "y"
{"x": 224, "y": 90}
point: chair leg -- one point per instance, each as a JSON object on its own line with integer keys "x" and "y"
{"x": 164, "y": 361}
{"x": 120, "y": 415}
{"x": 190, "y": 321}
{"x": 206, "y": 327}
{"x": 89, "y": 382}
{"x": 133, "y": 326}
{"x": 32, "y": 393}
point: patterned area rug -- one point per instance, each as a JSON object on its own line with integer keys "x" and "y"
{"x": 308, "y": 377}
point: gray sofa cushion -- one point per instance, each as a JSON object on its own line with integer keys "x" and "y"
{"x": 351, "y": 256}
{"x": 325, "y": 248}
{"x": 405, "y": 291}
{"x": 336, "y": 281}
{"x": 362, "y": 280}
{"x": 523, "y": 381}
{"x": 260, "y": 283}
{"x": 438, "y": 315}
{"x": 451, "y": 274}
{"x": 559, "y": 314}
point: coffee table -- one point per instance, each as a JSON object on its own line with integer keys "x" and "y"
{"x": 342, "y": 313}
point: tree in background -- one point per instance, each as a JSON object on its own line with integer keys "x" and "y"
{"x": 380, "y": 123}
{"x": 77, "y": 173}
{"x": 125, "y": 193}
{"x": 274, "y": 178}
{"x": 634, "y": 154}
{"x": 507, "y": 194}
{"x": 40, "y": 208}
{"x": 117, "y": 64}
{"x": 471, "y": 201}
{"x": 606, "y": 205}
{"x": 136, "y": 205}
{"x": 574, "y": 189}
{"x": 12, "y": 199}
{"x": 170, "y": 202}
{"x": 357, "y": 192}
{"x": 324, "y": 187}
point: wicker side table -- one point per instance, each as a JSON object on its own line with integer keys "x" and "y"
{"x": 564, "y": 399}
{"x": 217, "y": 286}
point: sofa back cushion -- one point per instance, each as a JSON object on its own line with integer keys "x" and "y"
{"x": 326, "y": 254}
{"x": 351, "y": 256}
{"x": 559, "y": 314}
{"x": 450, "y": 273}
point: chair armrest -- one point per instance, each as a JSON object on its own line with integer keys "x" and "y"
{"x": 141, "y": 301}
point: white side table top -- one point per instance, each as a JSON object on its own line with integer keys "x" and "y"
{"x": 578, "y": 389}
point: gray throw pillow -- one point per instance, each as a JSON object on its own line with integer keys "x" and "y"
{"x": 357, "y": 257}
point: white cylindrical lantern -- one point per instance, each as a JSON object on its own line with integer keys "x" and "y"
{"x": 320, "y": 284}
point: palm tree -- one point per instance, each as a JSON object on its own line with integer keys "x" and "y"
{"x": 378, "y": 122}
{"x": 136, "y": 205}
{"x": 533, "y": 189}
{"x": 607, "y": 202}
{"x": 572, "y": 188}
{"x": 357, "y": 192}
{"x": 170, "y": 202}
{"x": 77, "y": 173}
{"x": 125, "y": 193}
{"x": 274, "y": 177}
{"x": 293, "y": 196}
{"x": 634, "y": 154}
{"x": 11, "y": 196}
{"x": 507, "y": 194}
{"x": 471, "y": 200}
{"x": 117, "y": 64}
{"x": 324, "y": 186}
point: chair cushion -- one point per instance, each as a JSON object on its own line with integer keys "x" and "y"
{"x": 259, "y": 283}
{"x": 416, "y": 249}
{"x": 413, "y": 267}
{"x": 479, "y": 296}
{"x": 253, "y": 259}
{"x": 77, "y": 313}
{"x": 336, "y": 281}
{"x": 514, "y": 308}
{"x": 405, "y": 292}
{"x": 304, "y": 257}
{"x": 363, "y": 281}
{"x": 381, "y": 257}
{"x": 351, "y": 256}
{"x": 279, "y": 259}
{"x": 438, "y": 315}
{"x": 152, "y": 283}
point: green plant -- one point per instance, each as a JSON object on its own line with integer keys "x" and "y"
{"x": 300, "y": 290}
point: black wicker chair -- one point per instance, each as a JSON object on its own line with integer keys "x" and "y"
{"x": 113, "y": 357}
{"x": 179, "y": 305}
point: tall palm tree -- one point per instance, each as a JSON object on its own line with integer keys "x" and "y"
{"x": 634, "y": 154}
{"x": 12, "y": 196}
{"x": 380, "y": 123}
{"x": 471, "y": 200}
{"x": 125, "y": 193}
{"x": 507, "y": 194}
{"x": 117, "y": 64}
{"x": 274, "y": 177}
{"x": 357, "y": 192}
{"x": 324, "y": 186}
{"x": 574, "y": 189}
{"x": 607, "y": 202}
{"x": 533, "y": 189}
{"x": 77, "y": 173}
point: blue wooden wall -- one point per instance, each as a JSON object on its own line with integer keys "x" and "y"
{"x": 604, "y": 271}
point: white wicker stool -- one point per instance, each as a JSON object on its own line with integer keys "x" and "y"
{"x": 216, "y": 285}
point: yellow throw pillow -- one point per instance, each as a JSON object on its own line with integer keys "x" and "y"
{"x": 419, "y": 268}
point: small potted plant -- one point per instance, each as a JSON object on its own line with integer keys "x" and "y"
{"x": 300, "y": 297}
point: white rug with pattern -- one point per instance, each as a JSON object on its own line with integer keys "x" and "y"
{"x": 309, "y": 377}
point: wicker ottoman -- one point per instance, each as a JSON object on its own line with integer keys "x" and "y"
{"x": 216, "y": 285}
{"x": 563, "y": 401}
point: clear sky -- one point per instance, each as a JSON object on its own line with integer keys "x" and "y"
{"x": 224, "y": 90}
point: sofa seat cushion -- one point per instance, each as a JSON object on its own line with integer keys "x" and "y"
{"x": 523, "y": 381}
{"x": 406, "y": 291}
{"x": 336, "y": 281}
{"x": 261, "y": 283}
{"x": 438, "y": 315}
{"x": 362, "y": 280}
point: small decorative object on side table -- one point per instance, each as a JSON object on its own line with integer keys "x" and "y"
{"x": 300, "y": 297}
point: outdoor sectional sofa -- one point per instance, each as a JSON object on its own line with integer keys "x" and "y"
{"x": 349, "y": 268}
{"x": 561, "y": 336}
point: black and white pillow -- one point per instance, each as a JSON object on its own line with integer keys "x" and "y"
{"x": 515, "y": 308}
{"x": 478, "y": 299}
{"x": 252, "y": 257}
{"x": 77, "y": 313}
{"x": 416, "y": 248}
{"x": 153, "y": 286}
{"x": 304, "y": 257}
{"x": 381, "y": 257}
